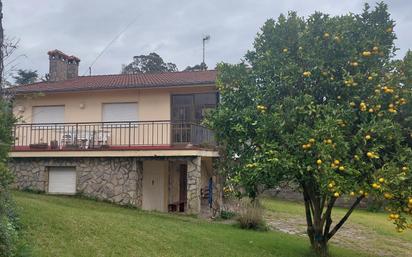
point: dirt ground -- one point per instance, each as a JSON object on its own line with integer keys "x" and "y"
{"x": 349, "y": 236}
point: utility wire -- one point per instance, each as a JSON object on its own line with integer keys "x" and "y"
{"x": 108, "y": 45}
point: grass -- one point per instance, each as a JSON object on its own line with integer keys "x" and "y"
{"x": 379, "y": 235}
{"x": 67, "y": 226}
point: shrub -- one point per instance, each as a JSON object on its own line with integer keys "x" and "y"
{"x": 251, "y": 215}
{"x": 227, "y": 215}
{"x": 8, "y": 237}
{"x": 9, "y": 223}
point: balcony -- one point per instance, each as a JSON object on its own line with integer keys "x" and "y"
{"x": 133, "y": 135}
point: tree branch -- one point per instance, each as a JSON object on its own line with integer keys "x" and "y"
{"x": 323, "y": 203}
{"x": 328, "y": 210}
{"x": 327, "y": 217}
{"x": 308, "y": 213}
{"x": 343, "y": 220}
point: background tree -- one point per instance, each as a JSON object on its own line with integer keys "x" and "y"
{"x": 148, "y": 64}
{"x": 25, "y": 77}
{"x": 323, "y": 107}
{"x": 197, "y": 67}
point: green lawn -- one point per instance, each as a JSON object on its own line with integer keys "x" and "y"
{"x": 65, "y": 226}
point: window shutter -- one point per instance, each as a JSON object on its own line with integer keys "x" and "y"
{"x": 120, "y": 112}
{"x": 48, "y": 114}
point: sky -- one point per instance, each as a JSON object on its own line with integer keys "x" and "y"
{"x": 174, "y": 29}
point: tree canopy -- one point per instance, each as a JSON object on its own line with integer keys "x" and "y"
{"x": 25, "y": 77}
{"x": 319, "y": 104}
{"x": 148, "y": 64}
{"x": 197, "y": 67}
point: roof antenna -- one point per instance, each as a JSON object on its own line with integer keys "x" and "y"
{"x": 205, "y": 38}
{"x": 109, "y": 44}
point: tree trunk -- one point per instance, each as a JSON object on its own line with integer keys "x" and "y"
{"x": 318, "y": 240}
{"x": 321, "y": 248}
{"x": 319, "y": 219}
{"x": 315, "y": 226}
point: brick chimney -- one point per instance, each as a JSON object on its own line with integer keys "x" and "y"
{"x": 62, "y": 66}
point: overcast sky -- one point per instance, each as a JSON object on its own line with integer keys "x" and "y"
{"x": 172, "y": 28}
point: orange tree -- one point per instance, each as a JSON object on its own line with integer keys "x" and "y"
{"x": 319, "y": 103}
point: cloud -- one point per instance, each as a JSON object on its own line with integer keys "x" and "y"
{"x": 172, "y": 28}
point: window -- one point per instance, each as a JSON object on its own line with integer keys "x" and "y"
{"x": 193, "y": 107}
{"x": 119, "y": 112}
{"x": 48, "y": 114}
{"x": 203, "y": 104}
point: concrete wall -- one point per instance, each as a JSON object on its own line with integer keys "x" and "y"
{"x": 153, "y": 104}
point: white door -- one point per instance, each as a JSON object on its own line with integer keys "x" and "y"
{"x": 62, "y": 180}
{"x": 154, "y": 184}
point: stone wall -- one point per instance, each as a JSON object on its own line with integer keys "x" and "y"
{"x": 117, "y": 180}
{"x": 193, "y": 185}
{"x": 29, "y": 174}
{"x": 114, "y": 179}
{"x": 292, "y": 194}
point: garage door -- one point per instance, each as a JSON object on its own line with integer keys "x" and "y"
{"x": 62, "y": 180}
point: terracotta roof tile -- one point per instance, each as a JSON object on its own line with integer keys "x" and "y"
{"x": 120, "y": 81}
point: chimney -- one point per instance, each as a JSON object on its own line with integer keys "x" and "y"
{"x": 73, "y": 67}
{"x": 62, "y": 66}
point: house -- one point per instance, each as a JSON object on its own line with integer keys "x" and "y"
{"x": 129, "y": 139}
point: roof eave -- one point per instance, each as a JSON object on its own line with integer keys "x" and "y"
{"x": 132, "y": 86}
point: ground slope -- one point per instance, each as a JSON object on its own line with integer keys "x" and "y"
{"x": 67, "y": 226}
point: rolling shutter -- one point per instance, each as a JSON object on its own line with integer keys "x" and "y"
{"x": 119, "y": 112}
{"x": 62, "y": 180}
{"x": 48, "y": 114}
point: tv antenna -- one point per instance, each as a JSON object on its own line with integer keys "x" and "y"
{"x": 205, "y": 38}
{"x": 109, "y": 44}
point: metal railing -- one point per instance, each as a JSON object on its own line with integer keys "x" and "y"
{"x": 110, "y": 135}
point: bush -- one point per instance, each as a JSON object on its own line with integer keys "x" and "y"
{"x": 8, "y": 237}
{"x": 251, "y": 215}
{"x": 227, "y": 215}
{"x": 9, "y": 222}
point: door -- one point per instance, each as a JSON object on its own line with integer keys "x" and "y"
{"x": 182, "y": 115}
{"x": 189, "y": 109}
{"x": 183, "y": 187}
{"x": 154, "y": 185}
{"x": 183, "y": 183}
{"x": 62, "y": 180}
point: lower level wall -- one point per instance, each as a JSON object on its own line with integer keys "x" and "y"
{"x": 118, "y": 180}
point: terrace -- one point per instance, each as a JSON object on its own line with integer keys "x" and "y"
{"x": 130, "y": 135}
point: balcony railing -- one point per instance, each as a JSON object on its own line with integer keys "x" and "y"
{"x": 111, "y": 135}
